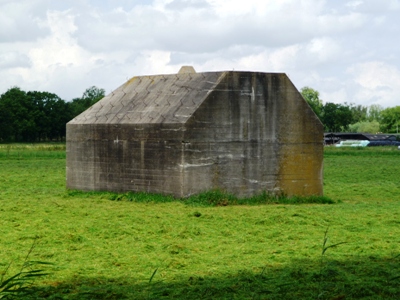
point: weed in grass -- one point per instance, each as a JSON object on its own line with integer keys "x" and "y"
{"x": 21, "y": 283}
{"x": 150, "y": 283}
{"x": 326, "y": 273}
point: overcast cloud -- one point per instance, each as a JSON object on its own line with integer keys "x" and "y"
{"x": 348, "y": 50}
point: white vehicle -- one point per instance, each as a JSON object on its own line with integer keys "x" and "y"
{"x": 352, "y": 143}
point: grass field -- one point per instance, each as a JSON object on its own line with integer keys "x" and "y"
{"x": 102, "y": 248}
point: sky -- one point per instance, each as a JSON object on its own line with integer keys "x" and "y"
{"x": 347, "y": 50}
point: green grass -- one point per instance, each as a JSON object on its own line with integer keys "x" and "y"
{"x": 108, "y": 246}
{"x": 206, "y": 199}
{"x": 32, "y": 151}
{"x": 362, "y": 174}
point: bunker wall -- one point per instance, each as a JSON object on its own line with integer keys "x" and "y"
{"x": 253, "y": 132}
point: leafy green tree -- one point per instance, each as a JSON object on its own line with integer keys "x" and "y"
{"x": 336, "y": 117}
{"x": 51, "y": 115}
{"x": 40, "y": 116}
{"x": 359, "y": 112}
{"x": 365, "y": 127}
{"x": 89, "y": 97}
{"x": 32, "y": 116}
{"x": 6, "y": 116}
{"x": 93, "y": 94}
{"x": 312, "y": 98}
{"x": 17, "y": 117}
{"x": 390, "y": 120}
{"x": 374, "y": 112}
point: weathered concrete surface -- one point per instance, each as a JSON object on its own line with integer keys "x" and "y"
{"x": 181, "y": 134}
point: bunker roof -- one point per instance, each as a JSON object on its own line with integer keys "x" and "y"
{"x": 153, "y": 99}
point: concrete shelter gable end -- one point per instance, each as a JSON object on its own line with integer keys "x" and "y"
{"x": 185, "y": 133}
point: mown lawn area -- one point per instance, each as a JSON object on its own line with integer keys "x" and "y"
{"x": 158, "y": 248}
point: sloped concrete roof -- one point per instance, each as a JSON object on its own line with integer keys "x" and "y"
{"x": 153, "y": 99}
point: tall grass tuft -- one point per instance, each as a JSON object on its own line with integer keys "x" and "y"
{"x": 20, "y": 284}
{"x": 323, "y": 268}
{"x": 207, "y": 199}
{"x": 220, "y": 198}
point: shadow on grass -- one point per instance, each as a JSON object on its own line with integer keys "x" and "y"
{"x": 209, "y": 198}
{"x": 370, "y": 278}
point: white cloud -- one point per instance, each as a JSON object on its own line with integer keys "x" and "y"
{"x": 59, "y": 48}
{"x": 67, "y": 46}
{"x": 187, "y": 5}
{"x": 271, "y": 8}
{"x": 13, "y": 59}
{"x": 376, "y": 6}
{"x": 379, "y": 82}
{"x": 321, "y": 51}
{"x": 336, "y": 96}
{"x": 21, "y": 21}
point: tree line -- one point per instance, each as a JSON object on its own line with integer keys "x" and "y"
{"x": 41, "y": 116}
{"x": 353, "y": 118}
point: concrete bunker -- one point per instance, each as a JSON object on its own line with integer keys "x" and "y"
{"x": 185, "y": 133}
